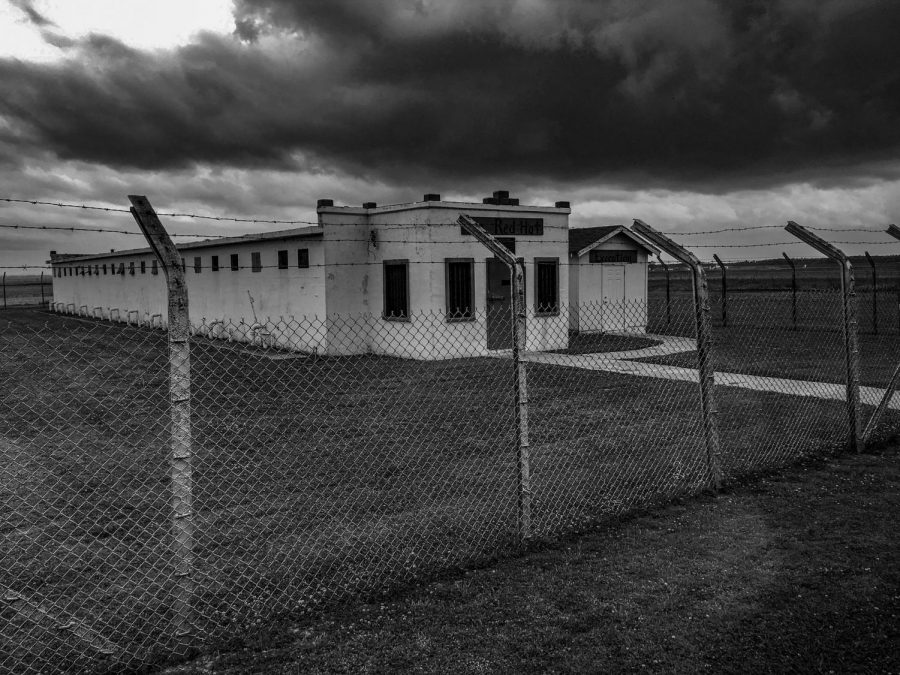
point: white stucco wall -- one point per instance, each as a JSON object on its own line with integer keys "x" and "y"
{"x": 291, "y": 302}
{"x": 427, "y": 234}
{"x": 631, "y": 313}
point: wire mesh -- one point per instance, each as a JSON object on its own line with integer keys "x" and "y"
{"x": 340, "y": 455}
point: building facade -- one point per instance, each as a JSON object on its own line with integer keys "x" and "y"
{"x": 402, "y": 280}
{"x": 608, "y": 268}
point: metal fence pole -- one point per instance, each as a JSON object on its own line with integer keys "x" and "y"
{"x": 520, "y": 335}
{"x": 4, "y": 290}
{"x": 793, "y": 289}
{"x": 180, "y": 403}
{"x": 724, "y": 290}
{"x": 42, "y": 289}
{"x": 894, "y": 231}
{"x": 668, "y": 290}
{"x": 704, "y": 346}
{"x": 851, "y": 324}
{"x": 874, "y": 293}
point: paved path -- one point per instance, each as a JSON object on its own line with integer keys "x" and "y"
{"x": 624, "y": 363}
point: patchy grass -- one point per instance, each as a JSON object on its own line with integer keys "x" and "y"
{"x": 596, "y": 343}
{"x": 797, "y": 573}
{"x": 316, "y": 480}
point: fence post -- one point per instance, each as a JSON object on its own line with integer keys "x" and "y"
{"x": 874, "y": 293}
{"x": 180, "y": 402}
{"x": 668, "y": 290}
{"x": 793, "y": 289}
{"x": 851, "y": 324}
{"x": 704, "y": 346}
{"x": 894, "y": 231}
{"x": 724, "y": 290}
{"x": 519, "y": 328}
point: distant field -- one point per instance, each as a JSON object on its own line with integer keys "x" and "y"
{"x": 18, "y": 290}
{"x": 317, "y": 479}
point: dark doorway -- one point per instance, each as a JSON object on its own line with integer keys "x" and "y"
{"x": 499, "y": 305}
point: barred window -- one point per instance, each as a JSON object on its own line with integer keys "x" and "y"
{"x": 256, "y": 261}
{"x": 547, "y": 286}
{"x": 198, "y": 264}
{"x": 459, "y": 287}
{"x": 234, "y": 262}
{"x": 122, "y": 269}
{"x": 214, "y": 264}
{"x": 303, "y": 257}
{"x": 282, "y": 260}
{"x": 396, "y": 289}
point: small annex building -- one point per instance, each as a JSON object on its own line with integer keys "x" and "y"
{"x": 402, "y": 279}
{"x": 608, "y": 268}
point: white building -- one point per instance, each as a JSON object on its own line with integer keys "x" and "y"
{"x": 402, "y": 279}
{"x": 608, "y": 279}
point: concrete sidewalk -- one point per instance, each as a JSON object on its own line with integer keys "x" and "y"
{"x": 624, "y": 363}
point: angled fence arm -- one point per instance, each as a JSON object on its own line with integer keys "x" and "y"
{"x": 181, "y": 457}
{"x": 704, "y": 345}
{"x": 519, "y": 328}
{"x": 851, "y": 326}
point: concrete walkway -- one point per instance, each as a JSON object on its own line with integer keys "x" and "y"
{"x": 624, "y": 363}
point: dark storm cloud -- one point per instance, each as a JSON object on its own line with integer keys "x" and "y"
{"x": 34, "y": 16}
{"x": 681, "y": 93}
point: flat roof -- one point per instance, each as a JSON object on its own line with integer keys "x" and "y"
{"x": 456, "y": 206}
{"x": 296, "y": 233}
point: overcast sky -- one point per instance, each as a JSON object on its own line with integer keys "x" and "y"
{"x": 690, "y": 115}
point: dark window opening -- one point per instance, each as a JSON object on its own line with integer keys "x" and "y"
{"x": 143, "y": 266}
{"x": 154, "y": 267}
{"x": 396, "y": 289}
{"x": 198, "y": 264}
{"x": 459, "y": 289}
{"x": 214, "y": 264}
{"x": 131, "y": 268}
{"x": 282, "y": 260}
{"x": 302, "y": 257}
{"x": 104, "y": 269}
{"x": 255, "y": 261}
{"x": 547, "y": 286}
{"x": 234, "y": 262}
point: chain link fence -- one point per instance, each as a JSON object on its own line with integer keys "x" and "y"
{"x": 331, "y": 457}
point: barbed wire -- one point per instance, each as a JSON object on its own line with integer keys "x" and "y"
{"x": 170, "y": 214}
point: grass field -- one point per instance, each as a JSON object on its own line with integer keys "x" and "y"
{"x": 795, "y": 573}
{"x": 317, "y": 479}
